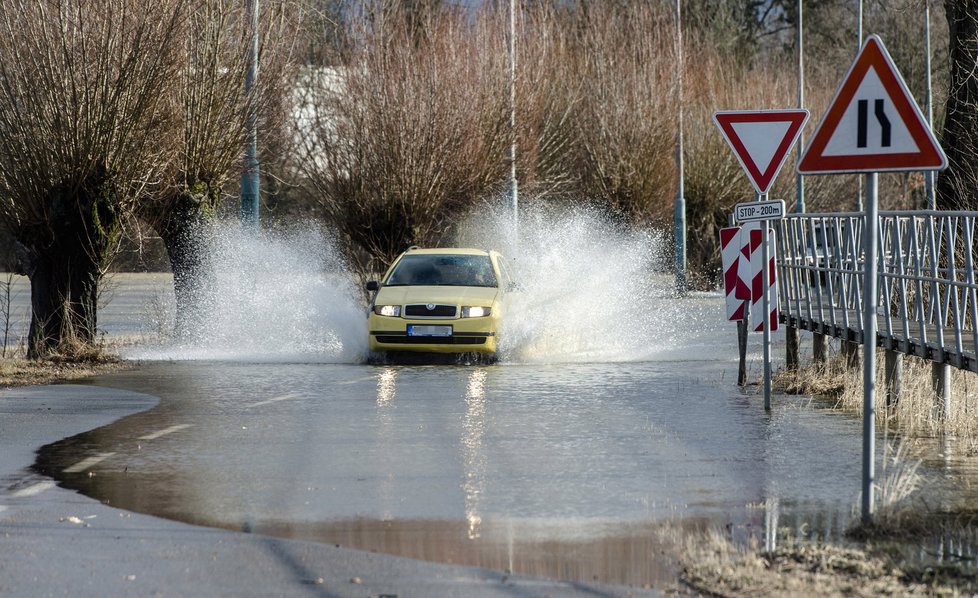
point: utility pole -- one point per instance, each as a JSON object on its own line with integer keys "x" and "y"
{"x": 249, "y": 169}
{"x": 859, "y": 187}
{"x": 929, "y": 175}
{"x": 800, "y": 180}
{"x": 679, "y": 211}
{"x": 514, "y": 186}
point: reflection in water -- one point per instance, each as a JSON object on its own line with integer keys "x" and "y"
{"x": 771, "y": 524}
{"x": 385, "y": 387}
{"x": 639, "y": 554}
{"x": 386, "y": 391}
{"x": 473, "y": 454}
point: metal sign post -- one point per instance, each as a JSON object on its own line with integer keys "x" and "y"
{"x": 872, "y": 125}
{"x": 870, "y": 298}
{"x": 766, "y": 305}
{"x": 761, "y": 140}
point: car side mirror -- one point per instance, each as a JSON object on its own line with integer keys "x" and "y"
{"x": 373, "y": 286}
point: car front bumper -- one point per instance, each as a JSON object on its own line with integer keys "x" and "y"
{"x": 468, "y": 335}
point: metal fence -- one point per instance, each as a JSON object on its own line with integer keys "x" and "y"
{"x": 928, "y": 293}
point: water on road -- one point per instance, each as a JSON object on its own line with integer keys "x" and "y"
{"x": 611, "y": 424}
{"x": 569, "y": 466}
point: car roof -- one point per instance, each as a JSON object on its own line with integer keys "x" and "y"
{"x": 446, "y": 251}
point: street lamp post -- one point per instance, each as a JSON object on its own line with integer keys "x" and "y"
{"x": 679, "y": 210}
{"x": 800, "y": 181}
{"x": 514, "y": 187}
{"x": 929, "y": 175}
{"x": 250, "y": 169}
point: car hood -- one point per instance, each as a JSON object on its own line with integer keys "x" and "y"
{"x": 481, "y": 296}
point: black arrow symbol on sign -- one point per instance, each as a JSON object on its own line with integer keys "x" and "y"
{"x": 863, "y": 122}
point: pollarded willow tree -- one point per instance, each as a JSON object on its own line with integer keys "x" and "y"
{"x": 83, "y": 130}
{"x": 210, "y": 117}
{"x": 404, "y": 130}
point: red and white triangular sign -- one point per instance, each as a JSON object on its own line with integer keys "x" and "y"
{"x": 761, "y": 140}
{"x": 873, "y": 124}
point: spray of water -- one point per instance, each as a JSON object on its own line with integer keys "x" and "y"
{"x": 274, "y": 296}
{"x": 590, "y": 289}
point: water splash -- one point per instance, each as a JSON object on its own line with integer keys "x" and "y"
{"x": 276, "y": 296}
{"x": 591, "y": 289}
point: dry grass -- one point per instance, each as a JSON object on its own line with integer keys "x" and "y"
{"x": 23, "y": 372}
{"x": 71, "y": 360}
{"x": 913, "y": 415}
{"x": 714, "y": 565}
{"x": 892, "y": 558}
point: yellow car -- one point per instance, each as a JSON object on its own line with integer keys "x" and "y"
{"x": 442, "y": 301}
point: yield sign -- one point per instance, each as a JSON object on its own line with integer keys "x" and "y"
{"x": 761, "y": 139}
{"x": 873, "y": 124}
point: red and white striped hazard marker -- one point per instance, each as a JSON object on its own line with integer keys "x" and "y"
{"x": 757, "y": 283}
{"x": 730, "y": 253}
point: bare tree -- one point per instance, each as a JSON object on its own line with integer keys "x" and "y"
{"x": 401, "y": 136}
{"x": 957, "y": 187}
{"x": 628, "y": 113}
{"x": 83, "y": 119}
{"x": 210, "y": 114}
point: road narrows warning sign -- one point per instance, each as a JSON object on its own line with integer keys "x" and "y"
{"x": 873, "y": 123}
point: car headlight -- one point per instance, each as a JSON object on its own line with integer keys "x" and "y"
{"x": 391, "y": 311}
{"x": 475, "y": 312}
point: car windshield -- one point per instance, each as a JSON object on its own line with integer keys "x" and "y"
{"x": 443, "y": 270}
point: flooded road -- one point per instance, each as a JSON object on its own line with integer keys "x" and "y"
{"x": 567, "y": 470}
{"x": 611, "y": 426}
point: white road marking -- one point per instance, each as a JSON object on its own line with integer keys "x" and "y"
{"x": 33, "y": 489}
{"x": 164, "y": 432}
{"x": 86, "y": 463}
{"x": 291, "y": 395}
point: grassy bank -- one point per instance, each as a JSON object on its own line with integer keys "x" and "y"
{"x": 71, "y": 363}
{"x": 21, "y": 372}
{"x": 916, "y": 545}
{"x": 915, "y": 413}
{"x": 715, "y": 566}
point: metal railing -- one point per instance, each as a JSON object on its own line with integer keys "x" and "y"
{"x": 928, "y": 293}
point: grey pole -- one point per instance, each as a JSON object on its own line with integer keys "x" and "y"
{"x": 250, "y": 168}
{"x": 766, "y": 306}
{"x": 800, "y": 180}
{"x": 929, "y": 174}
{"x": 514, "y": 186}
{"x": 871, "y": 229}
{"x": 679, "y": 211}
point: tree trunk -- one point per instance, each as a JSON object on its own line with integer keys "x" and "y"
{"x": 183, "y": 229}
{"x": 64, "y": 262}
{"x": 64, "y": 298}
{"x": 957, "y": 187}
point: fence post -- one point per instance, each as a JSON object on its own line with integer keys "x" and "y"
{"x": 791, "y": 360}
{"x": 893, "y": 370}
{"x": 819, "y": 347}
{"x": 850, "y": 351}
{"x": 941, "y": 377}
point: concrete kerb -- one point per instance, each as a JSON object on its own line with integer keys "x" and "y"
{"x": 57, "y": 542}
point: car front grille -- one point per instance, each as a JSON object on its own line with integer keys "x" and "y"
{"x": 421, "y": 310}
{"x": 431, "y": 340}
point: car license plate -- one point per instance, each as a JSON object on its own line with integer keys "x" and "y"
{"x": 418, "y": 330}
